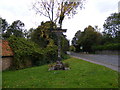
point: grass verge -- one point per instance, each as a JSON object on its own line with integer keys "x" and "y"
{"x": 82, "y": 74}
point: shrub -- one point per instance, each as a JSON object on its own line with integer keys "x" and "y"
{"x": 26, "y": 51}
{"x": 72, "y": 48}
{"x": 64, "y": 56}
{"x": 49, "y": 55}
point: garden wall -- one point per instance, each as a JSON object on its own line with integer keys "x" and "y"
{"x": 6, "y": 62}
{"x": 116, "y": 52}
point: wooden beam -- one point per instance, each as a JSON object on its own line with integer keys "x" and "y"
{"x": 59, "y": 30}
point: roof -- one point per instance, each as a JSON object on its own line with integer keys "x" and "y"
{"x": 6, "y": 49}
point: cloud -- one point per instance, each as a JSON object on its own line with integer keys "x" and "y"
{"x": 12, "y": 10}
{"x": 106, "y": 5}
{"x": 95, "y": 13}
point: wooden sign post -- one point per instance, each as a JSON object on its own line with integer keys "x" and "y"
{"x": 59, "y": 31}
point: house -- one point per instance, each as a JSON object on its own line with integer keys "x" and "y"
{"x": 6, "y": 55}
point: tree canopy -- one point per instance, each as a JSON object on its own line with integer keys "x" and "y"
{"x": 56, "y": 10}
{"x": 16, "y": 28}
{"x": 43, "y": 36}
{"x": 112, "y": 25}
{"x": 86, "y": 39}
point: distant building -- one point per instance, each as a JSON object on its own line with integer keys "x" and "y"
{"x": 119, "y": 6}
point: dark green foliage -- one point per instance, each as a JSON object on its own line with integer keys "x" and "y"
{"x": 42, "y": 34}
{"x": 22, "y": 49}
{"x": 3, "y": 27}
{"x": 40, "y": 47}
{"x": 111, "y": 36}
{"x": 64, "y": 44}
{"x": 87, "y": 39}
{"x": 50, "y": 54}
{"x": 29, "y": 33}
{"x": 78, "y": 34}
{"x": 64, "y": 56}
{"x": 34, "y": 47}
{"x": 72, "y": 48}
{"x": 112, "y": 24}
{"x": 110, "y": 46}
{"x": 27, "y": 51}
{"x": 16, "y": 28}
{"x": 90, "y": 39}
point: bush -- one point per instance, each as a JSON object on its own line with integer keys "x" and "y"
{"x": 26, "y": 51}
{"x": 65, "y": 56}
{"x": 50, "y": 54}
{"x": 72, "y": 48}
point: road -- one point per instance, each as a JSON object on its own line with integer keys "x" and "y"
{"x": 110, "y": 61}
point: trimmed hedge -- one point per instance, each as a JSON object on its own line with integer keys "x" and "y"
{"x": 111, "y": 46}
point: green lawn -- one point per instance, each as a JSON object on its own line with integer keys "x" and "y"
{"x": 83, "y": 74}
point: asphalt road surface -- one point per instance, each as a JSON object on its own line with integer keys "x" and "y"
{"x": 110, "y": 61}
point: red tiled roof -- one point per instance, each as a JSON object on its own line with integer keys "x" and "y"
{"x": 6, "y": 49}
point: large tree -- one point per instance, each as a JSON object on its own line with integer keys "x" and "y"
{"x": 3, "y": 26}
{"x": 64, "y": 44}
{"x": 76, "y": 37}
{"x": 56, "y": 10}
{"x": 42, "y": 35}
{"x": 87, "y": 39}
{"x": 16, "y": 28}
{"x": 44, "y": 38}
{"x": 112, "y": 25}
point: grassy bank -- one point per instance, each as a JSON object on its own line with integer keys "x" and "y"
{"x": 81, "y": 75}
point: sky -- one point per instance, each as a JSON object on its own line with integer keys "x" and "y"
{"x": 95, "y": 12}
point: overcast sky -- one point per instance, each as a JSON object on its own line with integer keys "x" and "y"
{"x": 95, "y": 13}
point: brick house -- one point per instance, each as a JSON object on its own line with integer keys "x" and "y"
{"x": 6, "y": 54}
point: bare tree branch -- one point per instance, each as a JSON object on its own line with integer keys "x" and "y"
{"x": 38, "y": 11}
{"x": 57, "y": 10}
{"x": 46, "y": 8}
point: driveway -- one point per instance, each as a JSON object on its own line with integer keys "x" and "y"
{"x": 110, "y": 61}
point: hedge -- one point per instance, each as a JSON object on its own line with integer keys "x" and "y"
{"x": 26, "y": 51}
{"x": 111, "y": 46}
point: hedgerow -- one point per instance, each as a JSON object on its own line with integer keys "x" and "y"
{"x": 28, "y": 53}
{"x": 111, "y": 46}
